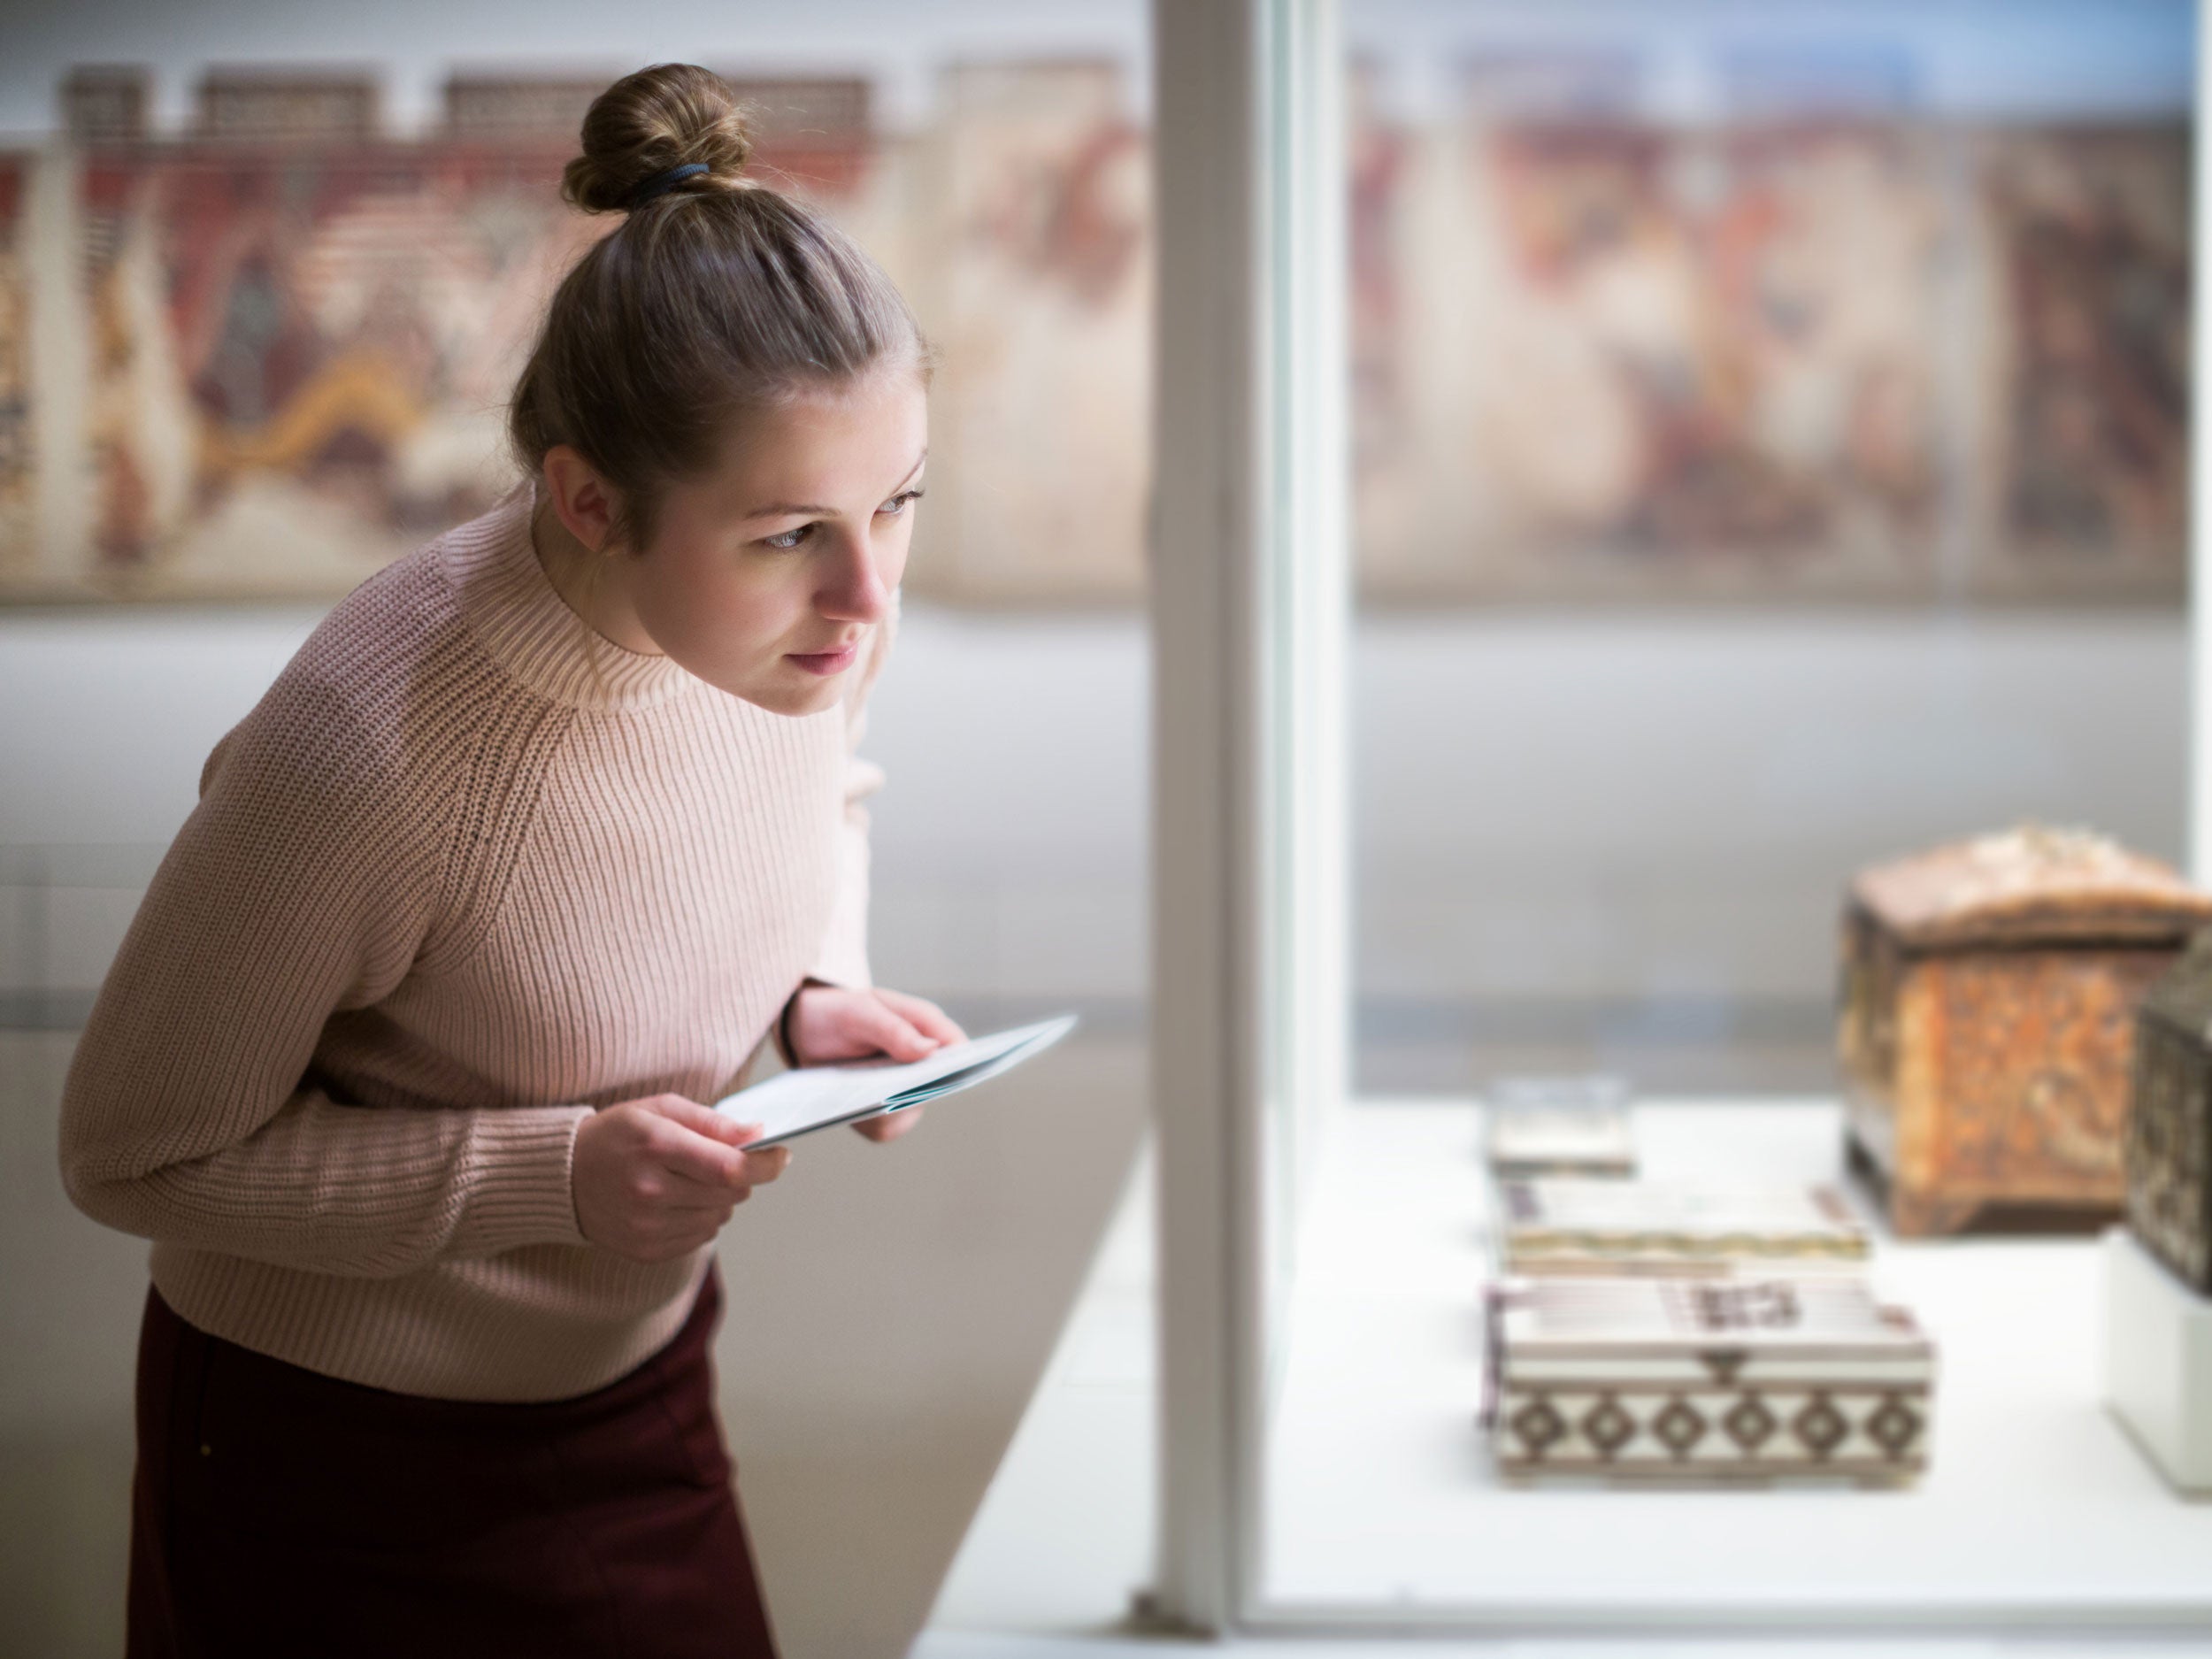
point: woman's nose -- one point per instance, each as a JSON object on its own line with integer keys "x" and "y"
{"x": 856, "y": 592}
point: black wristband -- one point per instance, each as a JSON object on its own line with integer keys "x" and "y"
{"x": 783, "y": 1024}
{"x": 783, "y": 1030}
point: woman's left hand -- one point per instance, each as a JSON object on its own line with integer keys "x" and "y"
{"x": 831, "y": 1022}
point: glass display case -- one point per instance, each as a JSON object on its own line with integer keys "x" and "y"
{"x": 1326, "y": 1247}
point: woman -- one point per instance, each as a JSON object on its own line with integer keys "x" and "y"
{"x": 544, "y": 831}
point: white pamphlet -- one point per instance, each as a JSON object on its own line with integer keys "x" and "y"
{"x": 813, "y": 1097}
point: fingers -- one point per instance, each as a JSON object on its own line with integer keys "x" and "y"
{"x": 690, "y": 1156}
{"x": 763, "y": 1166}
{"x": 679, "y": 1195}
{"x": 705, "y": 1120}
{"x": 655, "y": 1179}
{"x": 674, "y": 1215}
{"x": 924, "y": 1014}
{"x": 891, "y": 1032}
{"x": 699, "y": 1148}
{"x": 693, "y": 1160}
{"x": 681, "y": 1236}
{"x": 889, "y": 1125}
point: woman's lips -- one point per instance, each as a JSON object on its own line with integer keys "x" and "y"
{"x": 827, "y": 661}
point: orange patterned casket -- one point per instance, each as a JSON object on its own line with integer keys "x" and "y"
{"x": 1988, "y": 995}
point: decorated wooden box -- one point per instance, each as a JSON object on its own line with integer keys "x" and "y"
{"x": 1595, "y": 1227}
{"x": 1987, "y": 1003}
{"x": 2169, "y": 1120}
{"x": 1706, "y": 1380}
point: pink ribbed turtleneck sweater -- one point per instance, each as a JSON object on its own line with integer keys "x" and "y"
{"x": 467, "y": 870}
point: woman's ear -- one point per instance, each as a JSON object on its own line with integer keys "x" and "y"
{"x": 585, "y": 501}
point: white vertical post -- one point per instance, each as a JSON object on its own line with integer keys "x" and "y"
{"x": 1208, "y": 479}
{"x": 2200, "y": 851}
{"x": 1310, "y": 599}
{"x": 1248, "y": 984}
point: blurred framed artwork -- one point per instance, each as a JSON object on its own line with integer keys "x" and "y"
{"x": 1864, "y": 358}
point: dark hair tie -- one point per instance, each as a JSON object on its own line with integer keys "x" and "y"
{"x": 661, "y": 183}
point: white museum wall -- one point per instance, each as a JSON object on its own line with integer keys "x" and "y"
{"x": 1623, "y": 841}
{"x": 1652, "y": 814}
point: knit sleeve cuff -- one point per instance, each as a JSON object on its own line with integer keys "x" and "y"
{"x": 523, "y": 1189}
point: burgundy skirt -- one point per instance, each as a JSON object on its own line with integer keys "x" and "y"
{"x": 276, "y": 1511}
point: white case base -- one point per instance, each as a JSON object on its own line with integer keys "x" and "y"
{"x": 2158, "y": 1362}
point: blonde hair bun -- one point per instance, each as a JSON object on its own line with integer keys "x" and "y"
{"x": 671, "y": 115}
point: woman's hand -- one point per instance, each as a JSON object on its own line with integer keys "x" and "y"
{"x": 655, "y": 1179}
{"x": 830, "y": 1022}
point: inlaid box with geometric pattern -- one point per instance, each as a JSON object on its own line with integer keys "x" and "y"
{"x": 1700, "y": 1381}
{"x": 2169, "y": 1120}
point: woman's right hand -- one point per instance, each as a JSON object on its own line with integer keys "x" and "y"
{"x": 655, "y": 1179}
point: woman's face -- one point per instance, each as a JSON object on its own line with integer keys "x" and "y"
{"x": 767, "y": 576}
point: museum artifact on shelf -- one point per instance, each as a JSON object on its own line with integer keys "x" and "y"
{"x": 2158, "y": 1269}
{"x": 1559, "y": 1125}
{"x": 2169, "y": 1120}
{"x": 1677, "y": 1379}
{"x": 1598, "y": 1228}
{"x": 2158, "y": 1362}
{"x": 1987, "y": 1002}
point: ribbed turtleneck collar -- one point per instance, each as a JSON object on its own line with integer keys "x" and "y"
{"x": 511, "y": 605}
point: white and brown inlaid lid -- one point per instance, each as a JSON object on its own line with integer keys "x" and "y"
{"x": 1556, "y": 1328}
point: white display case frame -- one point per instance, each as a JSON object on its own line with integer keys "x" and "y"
{"x": 1249, "y": 990}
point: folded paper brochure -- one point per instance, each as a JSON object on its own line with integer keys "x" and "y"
{"x": 794, "y": 1103}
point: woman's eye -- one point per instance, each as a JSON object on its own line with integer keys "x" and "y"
{"x": 897, "y": 504}
{"x": 788, "y": 539}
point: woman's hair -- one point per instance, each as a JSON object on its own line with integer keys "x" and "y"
{"x": 714, "y": 296}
